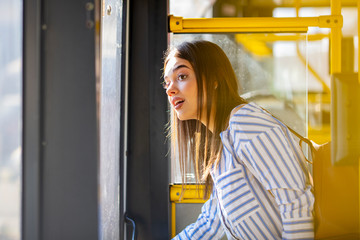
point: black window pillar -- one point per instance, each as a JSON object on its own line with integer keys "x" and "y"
{"x": 148, "y": 166}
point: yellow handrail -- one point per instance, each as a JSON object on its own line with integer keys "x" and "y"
{"x": 252, "y": 24}
{"x": 191, "y": 194}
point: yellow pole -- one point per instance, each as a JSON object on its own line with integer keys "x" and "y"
{"x": 335, "y": 40}
{"x": 358, "y": 6}
{"x": 173, "y": 219}
{"x": 297, "y": 7}
{"x": 358, "y": 16}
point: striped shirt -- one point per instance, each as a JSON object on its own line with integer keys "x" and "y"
{"x": 261, "y": 185}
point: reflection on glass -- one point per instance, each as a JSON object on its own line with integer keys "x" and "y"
{"x": 109, "y": 117}
{"x": 10, "y": 118}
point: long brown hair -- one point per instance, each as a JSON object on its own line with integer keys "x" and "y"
{"x": 217, "y": 83}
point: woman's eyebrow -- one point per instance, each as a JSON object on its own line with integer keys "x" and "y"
{"x": 179, "y": 66}
{"x": 176, "y": 68}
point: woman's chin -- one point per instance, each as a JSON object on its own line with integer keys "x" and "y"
{"x": 183, "y": 117}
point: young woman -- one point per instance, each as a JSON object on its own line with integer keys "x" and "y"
{"x": 251, "y": 165}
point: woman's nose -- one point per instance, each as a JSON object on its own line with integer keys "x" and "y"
{"x": 171, "y": 90}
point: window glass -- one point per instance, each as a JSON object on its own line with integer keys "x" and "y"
{"x": 10, "y": 118}
{"x": 109, "y": 117}
{"x": 271, "y": 68}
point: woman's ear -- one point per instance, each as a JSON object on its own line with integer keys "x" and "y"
{"x": 215, "y": 85}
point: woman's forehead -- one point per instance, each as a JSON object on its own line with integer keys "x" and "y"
{"x": 175, "y": 63}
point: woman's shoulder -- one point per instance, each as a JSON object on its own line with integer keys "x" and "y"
{"x": 250, "y": 112}
{"x": 251, "y": 117}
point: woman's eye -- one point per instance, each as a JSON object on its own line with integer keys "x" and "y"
{"x": 182, "y": 77}
{"x": 165, "y": 84}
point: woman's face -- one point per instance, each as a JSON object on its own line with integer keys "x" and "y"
{"x": 181, "y": 88}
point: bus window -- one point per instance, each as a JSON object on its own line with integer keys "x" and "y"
{"x": 10, "y": 118}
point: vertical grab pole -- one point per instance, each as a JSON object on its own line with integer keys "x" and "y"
{"x": 358, "y": 18}
{"x": 358, "y": 22}
{"x": 335, "y": 40}
{"x": 173, "y": 218}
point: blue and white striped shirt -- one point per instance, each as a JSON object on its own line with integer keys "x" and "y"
{"x": 261, "y": 185}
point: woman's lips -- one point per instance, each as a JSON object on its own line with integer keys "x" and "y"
{"x": 179, "y": 104}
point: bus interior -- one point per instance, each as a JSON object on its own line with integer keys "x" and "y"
{"x": 83, "y": 147}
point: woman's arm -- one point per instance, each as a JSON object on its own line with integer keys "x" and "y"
{"x": 276, "y": 163}
{"x": 207, "y": 226}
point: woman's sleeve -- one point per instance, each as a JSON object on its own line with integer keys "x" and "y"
{"x": 276, "y": 163}
{"x": 207, "y": 226}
